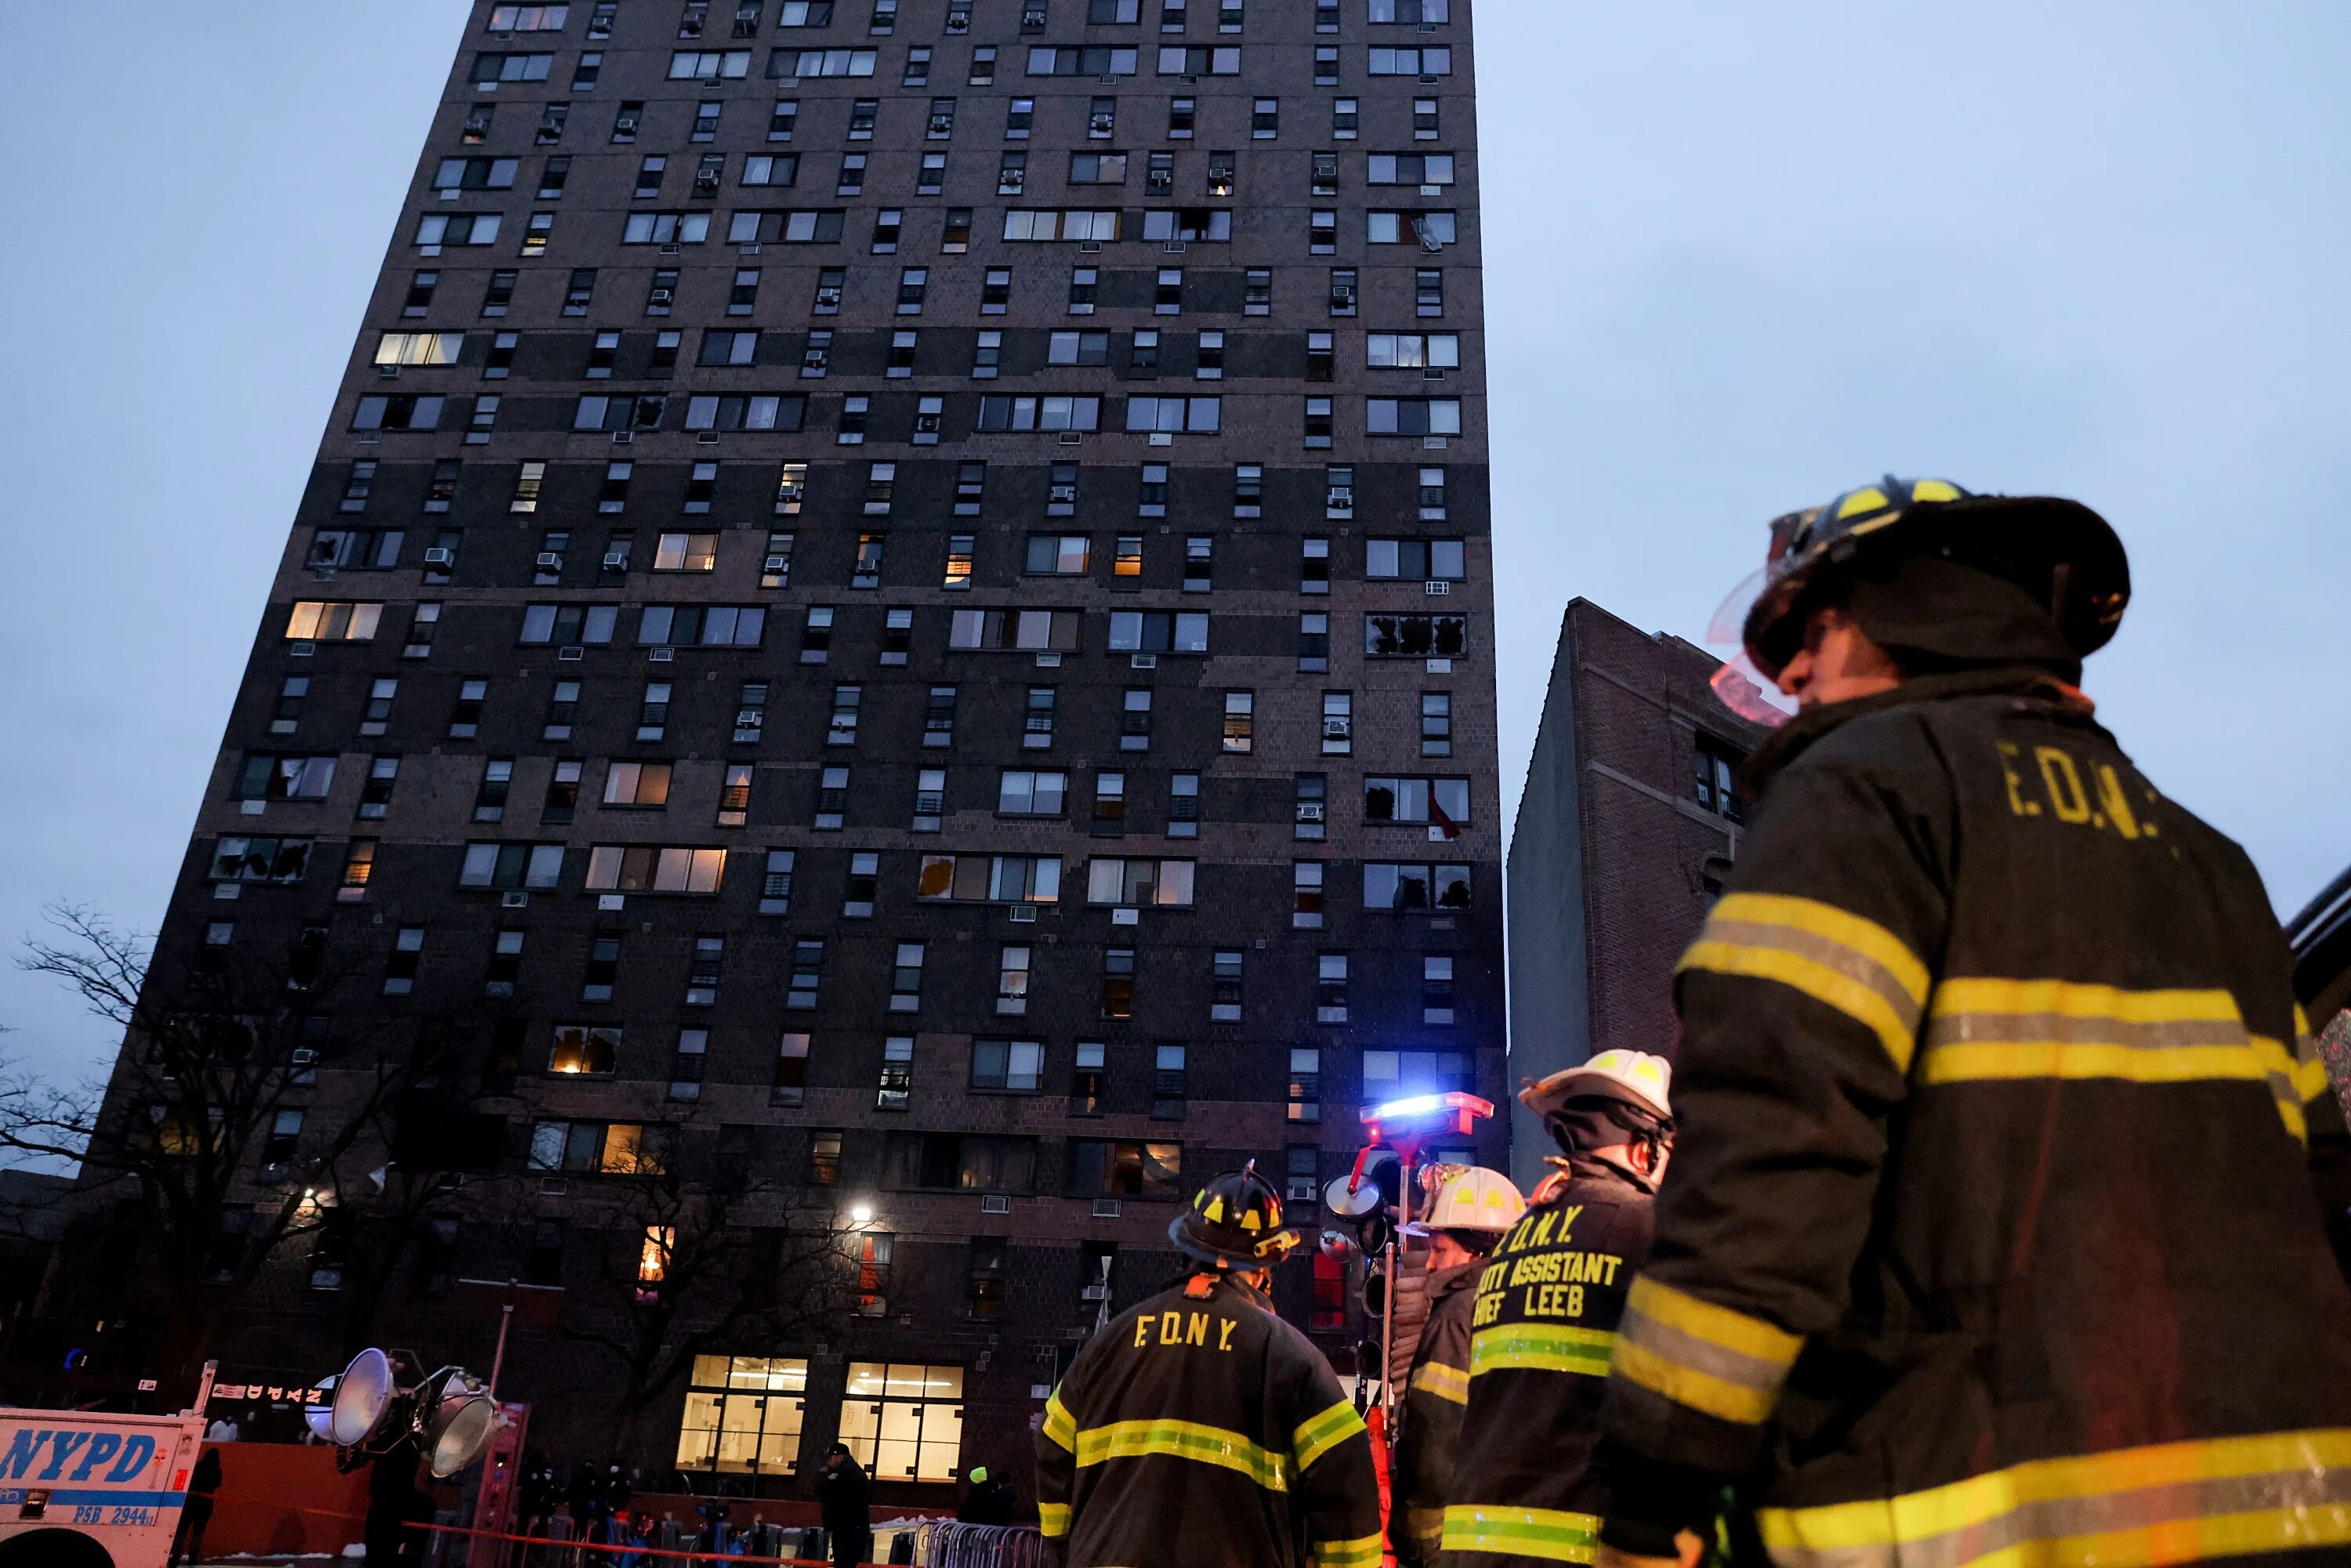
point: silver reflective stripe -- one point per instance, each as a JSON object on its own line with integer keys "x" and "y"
{"x": 1836, "y": 957}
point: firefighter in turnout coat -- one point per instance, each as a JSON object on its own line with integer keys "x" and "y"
{"x": 1470, "y": 1212}
{"x": 1991, "y": 1239}
{"x": 1524, "y": 1489}
{"x": 1199, "y": 1428}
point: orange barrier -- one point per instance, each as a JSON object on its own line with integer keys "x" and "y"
{"x": 662, "y": 1554}
{"x": 283, "y": 1500}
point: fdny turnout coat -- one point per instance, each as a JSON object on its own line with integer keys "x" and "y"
{"x": 1199, "y": 1428}
{"x": 1990, "y": 1210}
{"x": 1435, "y": 1392}
{"x": 1543, "y": 1318}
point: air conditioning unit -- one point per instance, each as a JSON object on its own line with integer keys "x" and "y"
{"x": 666, "y": 297}
{"x": 1024, "y": 914}
{"x": 670, "y": 249}
{"x": 1437, "y": 589}
{"x": 1174, "y": 247}
{"x": 1070, "y": 437}
{"x": 301, "y": 650}
{"x": 387, "y": 370}
{"x": 994, "y": 1203}
{"x": 1090, "y": 247}
{"x": 1108, "y": 1208}
{"x": 662, "y": 655}
{"x": 440, "y": 554}
{"x": 1145, "y": 661}
{"x": 570, "y": 655}
{"x": 513, "y": 898}
{"x": 746, "y": 250}
{"x": 1310, "y": 810}
{"x": 1336, "y": 729}
{"x": 707, "y": 438}
{"x": 776, "y": 564}
{"x": 1094, "y": 1293}
{"x": 624, "y": 437}
{"x": 550, "y": 560}
{"x": 616, "y": 560}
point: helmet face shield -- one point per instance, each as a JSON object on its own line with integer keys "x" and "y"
{"x": 1739, "y": 685}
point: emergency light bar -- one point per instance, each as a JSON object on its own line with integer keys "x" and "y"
{"x": 1453, "y": 1112}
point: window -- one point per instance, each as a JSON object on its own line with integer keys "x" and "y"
{"x": 989, "y": 879}
{"x": 904, "y": 1422}
{"x": 1134, "y": 720}
{"x": 562, "y": 800}
{"x": 930, "y": 797}
{"x": 906, "y": 978}
{"x": 808, "y": 64}
{"x": 769, "y": 412}
{"x": 375, "y": 793}
{"x": 743, "y": 1414}
{"x": 705, "y": 627}
{"x": 1431, "y": 559}
{"x": 276, "y": 776}
{"x": 1023, "y": 414}
{"x": 1124, "y": 1169}
{"x": 1442, "y": 802}
{"x": 791, "y": 1085}
{"x": 1412, "y": 351}
{"x": 1182, "y": 115}
{"x": 1127, "y": 557}
{"x": 1239, "y": 721}
{"x": 1118, "y": 982}
{"x": 1131, "y": 883}
{"x": 1012, "y": 983}
{"x": 568, "y": 624}
{"x": 1426, "y": 170}
{"x": 1411, "y": 415}
{"x": 807, "y": 972}
{"x": 982, "y": 63}
{"x": 652, "y": 713}
{"x": 1428, "y": 286}
{"x": 1036, "y": 719}
{"x": 847, "y": 700}
{"x": 1177, "y": 60}
{"x": 1184, "y": 806}
{"x": 247, "y": 859}
{"x": 646, "y": 868}
{"x": 506, "y": 67}
{"x": 1265, "y": 117}
{"x": 1306, "y": 896}
{"x": 1159, "y": 631}
{"x": 1199, "y": 563}
{"x": 1424, "y": 62}
{"x": 1078, "y": 349}
{"x": 1331, "y": 989}
{"x": 1167, "y": 1083}
{"x": 1415, "y": 636}
{"x": 586, "y": 1049}
{"x": 832, "y": 797}
{"x": 1013, "y": 1066}
{"x": 1174, "y": 414}
{"x": 1025, "y": 792}
{"x": 1045, "y": 224}
{"x": 1715, "y": 779}
{"x": 400, "y": 967}
{"x": 490, "y": 796}
{"x": 1020, "y": 115}
{"x": 1318, "y": 423}
{"x": 1110, "y": 804}
{"x": 1081, "y": 62}
{"x": 404, "y": 413}
{"x": 938, "y": 717}
{"x": 1088, "y": 1078}
{"x": 637, "y": 784}
{"x": 665, "y": 228}
{"x": 1402, "y": 889}
{"x": 1021, "y": 629}
{"x": 894, "y": 1091}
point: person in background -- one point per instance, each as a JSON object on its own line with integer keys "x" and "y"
{"x": 989, "y": 1500}
{"x": 846, "y": 1497}
{"x": 188, "y": 1543}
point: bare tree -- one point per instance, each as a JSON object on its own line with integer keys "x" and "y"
{"x": 236, "y": 1122}
{"x": 702, "y": 1261}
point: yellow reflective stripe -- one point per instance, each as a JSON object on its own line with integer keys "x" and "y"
{"x": 1325, "y": 1432}
{"x": 1980, "y": 1030}
{"x": 1182, "y": 1440}
{"x": 1705, "y": 1356}
{"x": 1540, "y": 1347}
{"x": 1832, "y": 956}
{"x": 1053, "y": 1518}
{"x": 1445, "y": 1382}
{"x": 1553, "y": 1535}
{"x": 2126, "y": 1508}
{"x": 1363, "y": 1551}
{"x": 1060, "y": 1426}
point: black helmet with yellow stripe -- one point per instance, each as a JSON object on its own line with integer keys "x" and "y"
{"x": 2061, "y": 553}
{"x": 1235, "y": 1223}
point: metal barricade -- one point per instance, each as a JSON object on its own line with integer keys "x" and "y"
{"x": 946, "y": 1544}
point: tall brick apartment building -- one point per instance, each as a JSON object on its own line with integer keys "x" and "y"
{"x": 896, "y": 598}
{"x": 1630, "y": 820}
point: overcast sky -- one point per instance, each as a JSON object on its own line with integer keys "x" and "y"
{"x": 1740, "y": 256}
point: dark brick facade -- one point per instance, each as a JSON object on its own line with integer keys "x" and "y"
{"x": 467, "y": 486}
{"x": 1617, "y": 853}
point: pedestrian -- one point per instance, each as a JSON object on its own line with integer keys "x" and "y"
{"x": 1991, "y": 1239}
{"x": 1524, "y": 1486}
{"x": 1199, "y": 1430}
{"x": 197, "y": 1513}
{"x": 988, "y": 1500}
{"x": 845, "y": 1497}
{"x": 1468, "y": 1215}
{"x": 389, "y": 1531}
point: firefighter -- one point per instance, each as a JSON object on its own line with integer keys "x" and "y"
{"x": 1199, "y": 1428}
{"x": 1471, "y": 1211}
{"x": 1992, "y": 1239}
{"x": 1524, "y": 1487}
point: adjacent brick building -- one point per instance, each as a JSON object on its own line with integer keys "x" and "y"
{"x": 896, "y": 605}
{"x": 1630, "y": 822}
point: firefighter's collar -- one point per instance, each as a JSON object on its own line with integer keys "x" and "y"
{"x": 1791, "y": 740}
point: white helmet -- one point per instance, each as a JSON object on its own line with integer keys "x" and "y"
{"x": 1474, "y": 1198}
{"x": 1635, "y": 1075}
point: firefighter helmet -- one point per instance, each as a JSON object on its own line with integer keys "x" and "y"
{"x": 1472, "y": 1198}
{"x": 2059, "y": 551}
{"x": 1633, "y": 1077}
{"x": 1235, "y": 1222}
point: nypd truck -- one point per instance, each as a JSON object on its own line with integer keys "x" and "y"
{"x": 79, "y": 1489}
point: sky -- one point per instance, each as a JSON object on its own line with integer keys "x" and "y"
{"x": 1739, "y": 257}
